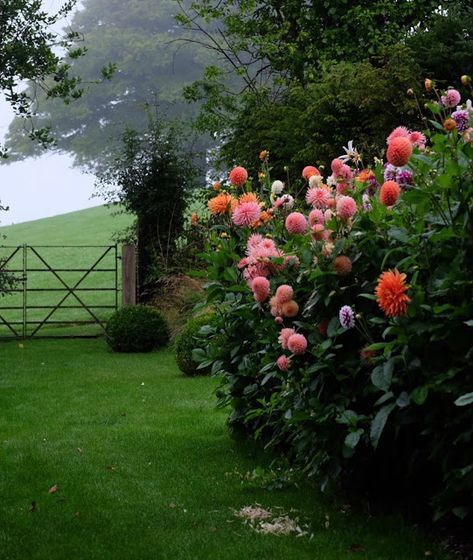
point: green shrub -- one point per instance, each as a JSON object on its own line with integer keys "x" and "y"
{"x": 374, "y": 390}
{"x": 188, "y": 340}
{"x": 136, "y": 329}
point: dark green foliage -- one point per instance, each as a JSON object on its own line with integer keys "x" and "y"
{"x": 190, "y": 338}
{"x": 443, "y": 49}
{"x": 150, "y": 177}
{"x": 136, "y": 329}
{"x": 362, "y": 101}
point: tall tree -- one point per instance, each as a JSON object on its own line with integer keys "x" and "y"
{"x": 142, "y": 38}
{"x": 31, "y": 49}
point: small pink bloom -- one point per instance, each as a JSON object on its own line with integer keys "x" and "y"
{"x": 246, "y": 214}
{"x": 254, "y": 240}
{"x": 336, "y": 165}
{"x": 296, "y": 223}
{"x": 345, "y": 172}
{"x": 275, "y": 307}
{"x": 418, "y": 139}
{"x": 283, "y": 362}
{"x": 316, "y": 216}
{"x": 284, "y": 293}
{"x": 451, "y": 98}
{"x": 284, "y": 336}
{"x": 346, "y": 207}
{"x": 317, "y": 231}
{"x": 400, "y": 131}
{"x": 278, "y": 320}
{"x": 260, "y": 287}
{"x": 318, "y": 197}
{"x": 342, "y": 187}
{"x": 297, "y": 343}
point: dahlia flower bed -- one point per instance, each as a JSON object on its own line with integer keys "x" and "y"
{"x": 346, "y": 300}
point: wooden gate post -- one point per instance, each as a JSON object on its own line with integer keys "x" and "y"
{"x": 128, "y": 275}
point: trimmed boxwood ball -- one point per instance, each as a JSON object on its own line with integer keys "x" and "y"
{"x": 137, "y": 328}
{"x": 189, "y": 339}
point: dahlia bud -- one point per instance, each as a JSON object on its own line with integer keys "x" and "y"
{"x": 465, "y": 80}
{"x": 410, "y": 92}
{"x": 428, "y": 84}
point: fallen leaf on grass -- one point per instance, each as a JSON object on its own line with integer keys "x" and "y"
{"x": 54, "y": 488}
{"x": 172, "y": 506}
{"x": 32, "y": 507}
{"x": 77, "y": 514}
{"x": 80, "y": 450}
{"x": 111, "y": 467}
{"x": 356, "y": 548}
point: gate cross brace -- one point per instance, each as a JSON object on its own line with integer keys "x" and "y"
{"x": 70, "y": 290}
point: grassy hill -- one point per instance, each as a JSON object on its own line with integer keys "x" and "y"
{"x": 93, "y": 226}
{"x": 88, "y": 232}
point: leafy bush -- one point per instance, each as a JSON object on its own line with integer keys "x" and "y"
{"x": 136, "y": 329}
{"x": 372, "y": 387}
{"x": 189, "y": 339}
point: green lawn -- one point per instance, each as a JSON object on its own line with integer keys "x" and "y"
{"x": 142, "y": 461}
{"x": 93, "y": 227}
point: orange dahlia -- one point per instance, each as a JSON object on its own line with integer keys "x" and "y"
{"x": 390, "y": 293}
{"x": 389, "y": 193}
{"x": 221, "y": 203}
{"x": 248, "y": 197}
{"x": 399, "y": 151}
{"x": 449, "y": 125}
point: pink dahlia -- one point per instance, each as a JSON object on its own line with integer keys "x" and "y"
{"x": 297, "y": 343}
{"x": 451, "y": 98}
{"x": 336, "y": 165}
{"x": 418, "y": 139}
{"x": 316, "y": 216}
{"x": 238, "y": 176}
{"x": 283, "y": 363}
{"x": 345, "y": 172}
{"x": 296, "y": 223}
{"x": 346, "y": 207}
{"x": 260, "y": 287}
{"x": 246, "y": 214}
{"x": 318, "y": 197}
{"x": 284, "y": 336}
{"x": 399, "y": 132}
{"x": 284, "y": 293}
{"x": 253, "y": 241}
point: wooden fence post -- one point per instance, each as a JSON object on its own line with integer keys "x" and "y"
{"x": 129, "y": 275}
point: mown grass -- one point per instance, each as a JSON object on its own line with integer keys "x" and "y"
{"x": 91, "y": 227}
{"x": 143, "y": 461}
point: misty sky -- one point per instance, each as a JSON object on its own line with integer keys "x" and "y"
{"x": 40, "y": 187}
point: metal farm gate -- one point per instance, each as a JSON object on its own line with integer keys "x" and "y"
{"x": 52, "y": 299}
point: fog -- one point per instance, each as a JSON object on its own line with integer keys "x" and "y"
{"x": 40, "y": 187}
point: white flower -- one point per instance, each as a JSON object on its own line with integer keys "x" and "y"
{"x": 332, "y": 181}
{"x": 468, "y": 107}
{"x": 351, "y": 153}
{"x": 277, "y": 187}
{"x": 288, "y": 201}
{"x": 315, "y": 181}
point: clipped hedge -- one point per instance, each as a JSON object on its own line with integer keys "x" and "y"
{"x": 137, "y": 329}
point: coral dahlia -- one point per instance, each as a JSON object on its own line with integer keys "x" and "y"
{"x": 297, "y": 343}
{"x": 342, "y": 265}
{"x": 346, "y": 207}
{"x": 284, "y": 293}
{"x": 238, "y": 176}
{"x": 283, "y": 363}
{"x": 308, "y": 171}
{"x": 389, "y": 193}
{"x": 399, "y": 151}
{"x": 260, "y": 288}
{"x": 284, "y": 336}
{"x": 390, "y": 293}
